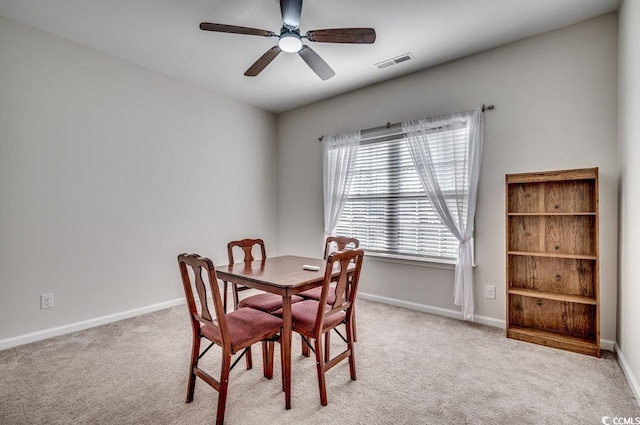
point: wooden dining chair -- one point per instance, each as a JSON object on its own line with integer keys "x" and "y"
{"x": 314, "y": 319}
{"x": 339, "y": 243}
{"x": 264, "y": 301}
{"x": 233, "y": 332}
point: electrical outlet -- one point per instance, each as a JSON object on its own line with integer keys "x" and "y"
{"x": 490, "y": 292}
{"x": 46, "y": 301}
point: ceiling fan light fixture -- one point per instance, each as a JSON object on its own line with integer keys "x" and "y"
{"x": 290, "y": 42}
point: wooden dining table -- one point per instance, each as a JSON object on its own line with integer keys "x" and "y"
{"x": 284, "y": 276}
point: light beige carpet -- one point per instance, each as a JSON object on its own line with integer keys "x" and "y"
{"x": 413, "y": 368}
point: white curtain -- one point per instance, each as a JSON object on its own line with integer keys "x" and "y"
{"x": 339, "y": 160}
{"x": 440, "y": 167}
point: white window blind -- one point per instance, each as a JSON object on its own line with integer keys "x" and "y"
{"x": 387, "y": 209}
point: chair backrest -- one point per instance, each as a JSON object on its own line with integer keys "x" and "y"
{"x": 349, "y": 264}
{"x": 198, "y": 274}
{"x": 247, "y": 246}
{"x": 341, "y": 242}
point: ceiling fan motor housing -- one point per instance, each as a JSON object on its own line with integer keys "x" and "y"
{"x": 290, "y": 40}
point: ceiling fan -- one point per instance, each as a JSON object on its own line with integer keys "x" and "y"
{"x": 290, "y": 39}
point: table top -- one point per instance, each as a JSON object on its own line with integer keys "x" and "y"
{"x": 284, "y": 272}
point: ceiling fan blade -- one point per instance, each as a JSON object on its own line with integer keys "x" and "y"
{"x": 343, "y": 35}
{"x": 207, "y": 26}
{"x": 316, "y": 63}
{"x": 291, "y": 11}
{"x": 263, "y": 61}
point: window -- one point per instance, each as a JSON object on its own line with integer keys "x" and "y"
{"x": 387, "y": 208}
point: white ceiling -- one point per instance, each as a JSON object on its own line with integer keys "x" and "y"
{"x": 163, "y": 35}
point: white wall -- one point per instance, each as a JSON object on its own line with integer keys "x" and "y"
{"x": 108, "y": 171}
{"x": 629, "y": 154}
{"x": 555, "y": 98}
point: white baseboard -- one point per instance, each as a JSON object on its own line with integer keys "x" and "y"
{"x": 633, "y": 382}
{"x": 605, "y": 344}
{"x": 86, "y": 324}
{"x": 483, "y": 320}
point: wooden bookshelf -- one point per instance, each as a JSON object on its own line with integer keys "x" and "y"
{"x": 552, "y": 259}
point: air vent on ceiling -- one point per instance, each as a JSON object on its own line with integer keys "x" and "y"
{"x": 395, "y": 61}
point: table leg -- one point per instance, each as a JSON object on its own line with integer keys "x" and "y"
{"x": 224, "y": 296}
{"x": 286, "y": 347}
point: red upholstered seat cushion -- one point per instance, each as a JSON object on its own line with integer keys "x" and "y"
{"x": 245, "y": 326}
{"x": 303, "y": 317}
{"x": 315, "y": 293}
{"x": 266, "y": 302}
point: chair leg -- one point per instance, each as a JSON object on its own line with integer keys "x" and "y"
{"x": 322, "y": 385}
{"x": 224, "y": 385}
{"x": 248, "y": 359}
{"x": 327, "y": 346}
{"x": 267, "y": 358}
{"x": 305, "y": 348}
{"x": 352, "y": 356}
{"x": 354, "y": 327}
{"x": 195, "y": 352}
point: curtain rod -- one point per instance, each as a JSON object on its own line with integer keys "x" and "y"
{"x": 389, "y": 125}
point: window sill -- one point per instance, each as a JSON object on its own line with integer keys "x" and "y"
{"x": 411, "y": 261}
